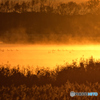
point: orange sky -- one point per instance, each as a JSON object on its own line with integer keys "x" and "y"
{"x": 73, "y": 0}
{"x": 78, "y": 1}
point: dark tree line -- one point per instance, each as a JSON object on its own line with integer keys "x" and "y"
{"x": 69, "y": 8}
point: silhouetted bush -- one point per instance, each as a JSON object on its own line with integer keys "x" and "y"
{"x": 88, "y": 71}
{"x": 47, "y": 92}
{"x": 50, "y": 85}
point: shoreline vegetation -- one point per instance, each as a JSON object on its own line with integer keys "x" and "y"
{"x": 40, "y": 22}
{"x": 47, "y": 6}
{"x": 50, "y": 84}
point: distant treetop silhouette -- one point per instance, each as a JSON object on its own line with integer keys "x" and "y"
{"x": 69, "y": 8}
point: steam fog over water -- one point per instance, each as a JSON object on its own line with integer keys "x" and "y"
{"x": 46, "y": 55}
{"x": 69, "y": 30}
{"x": 49, "y": 48}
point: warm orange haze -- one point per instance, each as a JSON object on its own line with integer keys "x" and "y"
{"x": 49, "y": 49}
{"x": 46, "y": 55}
{"x": 55, "y": 0}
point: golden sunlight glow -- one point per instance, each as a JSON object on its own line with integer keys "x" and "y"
{"x": 46, "y": 55}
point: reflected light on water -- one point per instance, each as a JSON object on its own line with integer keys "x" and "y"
{"x": 46, "y": 55}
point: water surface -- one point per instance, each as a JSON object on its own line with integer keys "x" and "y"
{"x": 46, "y": 55}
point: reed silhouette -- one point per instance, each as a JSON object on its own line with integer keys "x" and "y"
{"x": 85, "y": 72}
{"x": 51, "y": 85}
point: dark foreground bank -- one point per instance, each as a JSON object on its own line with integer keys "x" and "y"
{"x": 50, "y": 85}
{"x": 86, "y": 71}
